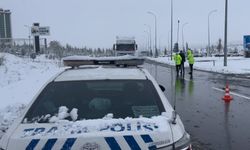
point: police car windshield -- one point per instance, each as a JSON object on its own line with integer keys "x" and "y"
{"x": 95, "y": 99}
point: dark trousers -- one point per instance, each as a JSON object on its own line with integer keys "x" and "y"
{"x": 182, "y": 68}
{"x": 191, "y": 69}
{"x": 178, "y": 69}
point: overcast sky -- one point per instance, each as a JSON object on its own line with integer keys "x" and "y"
{"x": 96, "y": 23}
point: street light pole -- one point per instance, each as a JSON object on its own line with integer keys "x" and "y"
{"x": 171, "y": 30}
{"x": 150, "y": 38}
{"x": 178, "y": 32}
{"x": 225, "y": 36}
{"x": 183, "y": 35}
{"x": 156, "y": 52}
{"x": 29, "y": 28}
{"x": 208, "y": 33}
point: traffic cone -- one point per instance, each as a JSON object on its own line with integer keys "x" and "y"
{"x": 227, "y": 97}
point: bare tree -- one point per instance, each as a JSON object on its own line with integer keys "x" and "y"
{"x": 219, "y": 46}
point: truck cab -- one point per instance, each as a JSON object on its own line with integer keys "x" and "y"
{"x": 125, "y": 46}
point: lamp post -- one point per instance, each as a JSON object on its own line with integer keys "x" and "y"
{"x": 150, "y": 38}
{"x": 156, "y": 52}
{"x": 171, "y": 29}
{"x": 178, "y": 31}
{"x": 225, "y": 35}
{"x": 183, "y": 36}
{"x": 169, "y": 42}
{"x": 29, "y": 29}
{"x": 208, "y": 26}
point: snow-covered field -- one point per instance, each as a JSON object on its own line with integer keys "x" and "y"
{"x": 236, "y": 65}
{"x": 20, "y": 80}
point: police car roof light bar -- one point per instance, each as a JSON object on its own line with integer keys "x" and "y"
{"x": 76, "y": 61}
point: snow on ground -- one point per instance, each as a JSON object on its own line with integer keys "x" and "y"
{"x": 20, "y": 80}
{"x": 236, "y": 65}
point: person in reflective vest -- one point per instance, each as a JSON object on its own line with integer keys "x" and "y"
{"x": 177, "y": 59}
{"x": 183, "y": 59}
{"x": 190, "y": 58}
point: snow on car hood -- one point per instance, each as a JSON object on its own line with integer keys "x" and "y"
{"x": 107, "y": 133}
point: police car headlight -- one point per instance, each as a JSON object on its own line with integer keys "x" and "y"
{"x": 184, "y": 143}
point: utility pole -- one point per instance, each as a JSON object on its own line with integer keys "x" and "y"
{"x": 29, "y": 29}
{"x": 150, "y": 38}
{"x": 208, "y": 33}
{"x": 178, "y": 32}
{"x": 156, "y": 51}
{"x": 171, "y": 29}
{"x": 183, "y": 36}
{"x": 225, "y": 36}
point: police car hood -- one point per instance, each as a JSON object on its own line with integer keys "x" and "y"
{"x": 129, "y": 133}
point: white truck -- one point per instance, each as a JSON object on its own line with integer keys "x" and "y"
{"x": 125, "y": 46}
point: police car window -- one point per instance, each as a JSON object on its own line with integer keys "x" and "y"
{"x": 96, "y": 99}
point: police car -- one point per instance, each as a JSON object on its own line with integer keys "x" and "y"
{"x": 99, "y": 104}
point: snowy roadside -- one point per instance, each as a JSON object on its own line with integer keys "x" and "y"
{"x": 20, "y": 80}
{"x": 236, "y": 65}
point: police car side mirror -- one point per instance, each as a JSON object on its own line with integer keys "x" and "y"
{"x": 162, "y": 88}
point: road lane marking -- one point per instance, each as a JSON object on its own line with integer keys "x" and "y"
{"x": 233, "y": 93}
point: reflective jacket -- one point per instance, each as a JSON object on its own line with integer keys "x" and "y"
{"x": 177, "y": 59}
{"x": 190, "y": 57}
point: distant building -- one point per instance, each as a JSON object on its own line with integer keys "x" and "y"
{"x": 5, "y": 24}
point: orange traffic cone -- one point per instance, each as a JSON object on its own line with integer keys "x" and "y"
{"x": 227, "y": 97}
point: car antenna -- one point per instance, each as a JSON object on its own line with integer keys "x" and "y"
{"x": 174, "y": 113}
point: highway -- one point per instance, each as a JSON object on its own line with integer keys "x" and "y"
{"x": 212, "y": 123}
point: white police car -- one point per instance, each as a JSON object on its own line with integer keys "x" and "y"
{"x": 98, "y": 105}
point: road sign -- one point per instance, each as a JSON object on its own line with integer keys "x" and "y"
{"x": 40, "y": 31}
{"x": 44, "y": 31}
{"x": 35, "y": 30}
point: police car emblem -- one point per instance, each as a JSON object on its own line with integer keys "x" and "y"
{"x": 90, "y": 146}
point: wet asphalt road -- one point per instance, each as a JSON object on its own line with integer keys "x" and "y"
{"x": 212, "y": 123}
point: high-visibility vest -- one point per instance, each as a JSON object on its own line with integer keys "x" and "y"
{"x": 190, "y": 58}
{"x": 177, "y": 58}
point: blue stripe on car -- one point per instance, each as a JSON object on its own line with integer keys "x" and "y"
{"x": 32, "y": 144}
{"x": 68, "y": 144}
{"x": 147, "y": 139}
{"x": 49, "y": 144}
{"x": 132, "y": 142}
{"x": 113, "y": 145}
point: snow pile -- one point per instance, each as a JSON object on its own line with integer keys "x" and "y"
{"x": 63, "y": 127}
{"x": 21, "y": 78}
{"x": 8, "y": 115}
{"x": 97, "y": 126}
{"x": 236, "y": 65}
{"x": 17, "y": 69}
{"x": 63, "y": 114}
